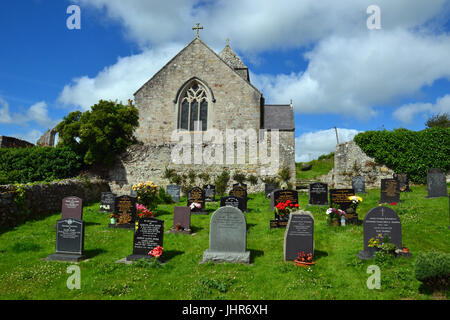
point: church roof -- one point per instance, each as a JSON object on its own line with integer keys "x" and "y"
{"x": 231, "y": 58}
{"x": 279, "y": 117}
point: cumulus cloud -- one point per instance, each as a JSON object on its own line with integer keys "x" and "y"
{"x": 31, "y": 136}
{"x": 351, "y": 75}
{"x": 119, "y": 81}
{"x": 5, "y": 116}
{"x": 407, "y": 112}
{"x": 38, "y": 113}
{"x": 311, "y": 145}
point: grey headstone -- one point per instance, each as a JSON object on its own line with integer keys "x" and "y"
{"x": 299, "y": 235}
{"x": 182, "y": 216}
{"x": 227, "y": 237}
{"x": 210, "y": 192}
{"x": 436, "y": 183}
{"x": 403, "y": 181}
{"x": 390, "y": 191}
{"x": 359, "y": 184}
{"x": 174, "y": 191}
{"x": 269, "y": 188}
{"x": 107, "y": 202}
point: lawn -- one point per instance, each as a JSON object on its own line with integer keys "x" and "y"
{"x": 338, "y": 273}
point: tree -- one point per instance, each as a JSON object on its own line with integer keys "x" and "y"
{"x": 100, "y": 134}
{"x": 439, "y": 120}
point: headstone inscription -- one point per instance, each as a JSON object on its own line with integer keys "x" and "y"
{"x": 436, "y": 183}
{"x": 318, "y": 194}
{"x": 107, "y": 202}
{"x": 299, "y": 235}
{"x": 125, "y": 210}
{"x": 390, "y": 191}
{"x": 340, "y": 197}
{"x": 72, "y": 207}
{"x": 403, "y": 181}
{"x": 232, "y": 201}
{"x": 227, "y": 237}
{"x": 148, "y": 234}
{"x": 174, "y": 191}
{"x": 196, "y": 195}
{"x": 282, "y": 195}
{"x": 69, "y": 240}
{"x": 380, "y": 222}
{"x": 181, "y": 220}
{"x": 359, "y": 184}
{"x": 269, "y": 188}
{"x": 240, "y": 192}
{"x": 210, "y": 193}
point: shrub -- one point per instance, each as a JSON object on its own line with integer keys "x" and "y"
{"x": 410, "y": 152}
{"x": 239, "y": 177}
{"x": 25, "y": 165}
{"x": 221, "y": 182}
{"x": 433, "y": 269}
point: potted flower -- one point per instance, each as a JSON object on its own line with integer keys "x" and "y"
{"x": 112, "y": 217}
{"x": 143, "y": 212}
{"x": 334, "y": 216}
{"x": 283, "y": 209}
{"x": 304, "y": 259}
{"x": 156, "y": 252}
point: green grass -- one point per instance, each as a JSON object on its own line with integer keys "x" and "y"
{"x": 338, "y": 273}
{"x": 319, "y": 167}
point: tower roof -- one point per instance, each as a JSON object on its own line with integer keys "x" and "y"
{"x": 231, "y": 58}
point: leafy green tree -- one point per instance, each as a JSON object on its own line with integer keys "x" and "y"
{"x": 439, "y": 120}
{"x": 100, "y": 134}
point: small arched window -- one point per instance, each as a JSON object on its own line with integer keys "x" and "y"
{"x": 193, "y": 108}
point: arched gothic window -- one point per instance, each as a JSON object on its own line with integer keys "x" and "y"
{"x": 193, "y": 108}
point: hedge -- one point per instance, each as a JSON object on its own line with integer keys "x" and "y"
{"x": 433, "y": 269}
{"x": 410, "y": 152}
{"x": 24, "y": 165}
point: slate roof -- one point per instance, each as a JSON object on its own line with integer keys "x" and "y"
{"x": 231, "y": 58}
{"x": 279, "y": 117}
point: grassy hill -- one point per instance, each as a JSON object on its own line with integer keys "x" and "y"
{"x": 338, "y": 273}
{"x": 320, "y": 167}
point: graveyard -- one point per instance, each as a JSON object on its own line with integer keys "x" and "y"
{"x": 182, "y": 275}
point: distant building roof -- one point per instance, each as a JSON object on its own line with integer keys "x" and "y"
{"x": 279, "y": 117}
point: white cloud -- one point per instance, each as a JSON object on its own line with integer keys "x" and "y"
{"x": 311, "y": 145}
{"x": 5, "y": 116}
{"x": 407, "y": 112}
{"x": 38, "y": 113}
{"x": 119, "y": 81}
{"x": 31, "y": 136}
{"x": 351, "y": 75}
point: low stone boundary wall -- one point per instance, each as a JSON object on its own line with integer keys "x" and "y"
{"x": 44, "y": 199}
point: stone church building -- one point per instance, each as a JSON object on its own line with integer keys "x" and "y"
{"x": 200, "y": 85}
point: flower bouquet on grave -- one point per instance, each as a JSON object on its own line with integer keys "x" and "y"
{"x": 195, "y": 205}
{"x": 334, "y": 216}
{"x": 156, "y": 252}
{"x": 304, "y": 259}
{"x": 352, "y": 214}
{"x": 113, "y": 218}
{"x": 147, "y": 194}
{"x": 283, "y": 209}
{"x": 143, "y": 212}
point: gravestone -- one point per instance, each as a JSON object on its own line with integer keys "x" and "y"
{"x": 381, "y": 221}
{"x": 210, "y": 193}
{"x": 69, "y": 240}
{"x": 318, "y": 194}
{"x": 174, "y": 191}
{"x": 72, "y": 207}
{"x": 242, "y": 185}
{"x": 181, "y": 220}
{"x": 125, "y": 209}
{"x": 299, "y": 235}
{"x": 340, "y": 197}
{"x": 282, "y": 196}
{"x": 390, "y": 191}
{"x": 403, "y": 181}
{"x": 359, "y": 184}
{"x": 436, "y": 183}
{"x": 240, "y": 192}
{"x": 227, "y": 237}
{"x": 196, "y": 195}
{"x": 148, "y": 234}
{"x": 232, "y": 201}
{"x": 108, "y": 200}
{"x": 269, "y": 188}
{"x": 133, "y": 193}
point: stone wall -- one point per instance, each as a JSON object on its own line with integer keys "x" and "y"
{"x": 45, "y": 199}
{"x": 10, "y": 142}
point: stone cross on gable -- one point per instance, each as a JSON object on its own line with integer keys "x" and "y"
{"x": 198, "y": 28}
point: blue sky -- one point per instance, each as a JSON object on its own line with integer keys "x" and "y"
{"x": 320, "y": 54}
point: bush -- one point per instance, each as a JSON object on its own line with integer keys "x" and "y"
{"x": 221, "y": 182}
{"x": 410, "y": 152}
{"x": 433, "y": 269}
{"x": 25, "y": 165}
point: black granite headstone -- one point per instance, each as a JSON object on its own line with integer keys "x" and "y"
{"x": 390, "y": 191}
{"x": 340, "y": 197}
{"x": 269, "y": 188}
{"x": 232, "y": 201}
{"x": 240, "y": 192}
{"x": 381, "y": 221}
{"x": 107, "y": 202}
{"x": 282, "y": 196}
{"x": 196, "y": 195}
{"x": 436, "y": 183}
{"x": 72, "y": 207}
{"x": 148, "y": 235}
{"x": 210, "y": 193}
{"x": 174, "y": 191}
{"x": 69, "y": 240}
{"x": 125, "y": 210}
{"x": 299, "y": 235}
{"x": 318, "y": 194}
{"x": 359, "y": 184}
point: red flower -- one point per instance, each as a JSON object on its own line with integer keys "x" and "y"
{"x": 296, "y": 205}
{"x": 393, "y": 203}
